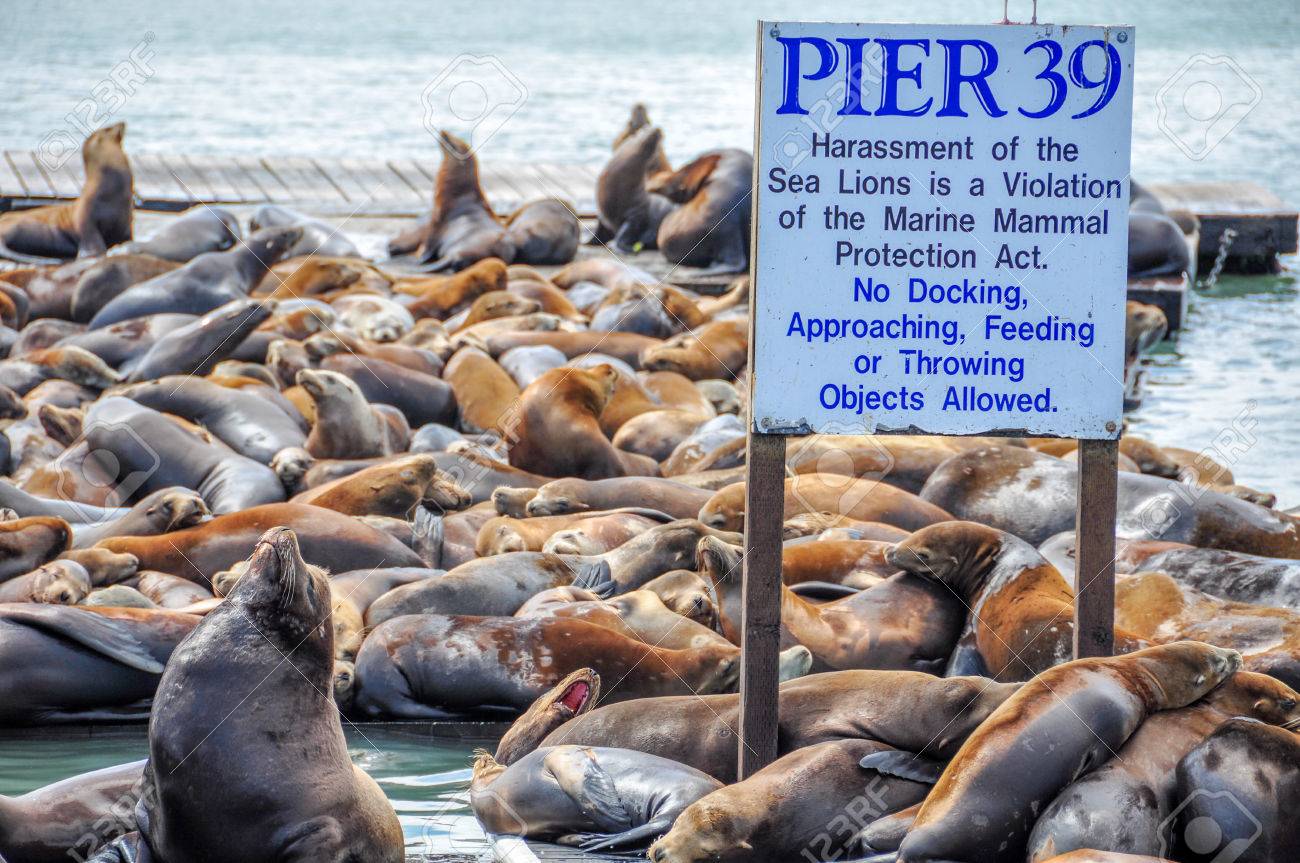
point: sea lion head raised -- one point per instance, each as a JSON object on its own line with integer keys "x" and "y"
{"x": 282, "y": 593}
{"x": 103, "y": 148}
{"x": 329, "y": 389}
{"x": 573, "y": 696}
{"x": 958, "y": 553}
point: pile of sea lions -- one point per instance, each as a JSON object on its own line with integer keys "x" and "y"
{"x": 254, "y": 482}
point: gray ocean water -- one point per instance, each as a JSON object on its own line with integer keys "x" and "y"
{"x": 1214, "y": 100}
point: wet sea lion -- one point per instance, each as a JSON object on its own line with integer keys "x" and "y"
{"x": 195, "y": 348}
{"x": 329, "y": 539}
{"x": 907, "y": 710}
{"x": 1021, "y": 619}
{"x": 108, "y": 659}
{"x": 558, "y": 430}
{"x": 393, "y": 488}
{"x": 210, "y": 280}
{"x": 861, "y": 499}
{"x": 99, "y": 219}
{"x": 346, "y": 425}
{"x": 27, "y": 543}
{"x": 197, "y": 230}
{"x": 630, "y": 215}
{"x": 70, "y": 818}
{"x": 572, "y": 494}
{"x": 544, "y": 232}
{"x": 812, "y": 800}
{"x": 405, "y": 670}
{"x": 1033, "y": 496}
{"x": 710, "y": 227}
{"x": 309, "y": 800}
{"x": 462, "y": 229}
{"x": 987, "y": 799}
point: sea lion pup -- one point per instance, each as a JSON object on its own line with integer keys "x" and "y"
{"x": 714, "y": 350}
{"x": 210, "y": 280}
{"x": 558, "y": 428}
{"x": 1244, "y": 780}
{"x": 1021, "y": 618}
{"x": 544, "y": 232}
{"x": 421, "y": 666}
{"x": 307, "y": 801}
{"x": 99, "y": 219}
{"x": 628, "y": 214}
{"x": 901, "y": 623}
{"x": 70, "y": 818}
{"x": 199, "y": 229}
{"x": 1154, "y": 606}
{"x": 592, "y": 797}
{"x": 782, "y": 810}
{"x": 28, "y": 543}
{"x": 1121, "y": 805}
{"x": 59, "y": 582}
{"x": 908, "y": 710}
{"x": 347, "y": 426}
{"x": 164, "y": 510}
{"x": 393, "y": 488}
{"x": 462, "y": 228}
{"x": 860, "y": 499}
{"x": 986, "y": 801}
{"x": 1033, "y": 496}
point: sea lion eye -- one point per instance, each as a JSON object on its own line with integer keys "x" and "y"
{"x": 1287, "y": 704}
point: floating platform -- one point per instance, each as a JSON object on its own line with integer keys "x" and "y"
{"x": 1262, "y": 226}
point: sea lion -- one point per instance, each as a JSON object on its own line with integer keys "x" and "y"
{"x": 656, "y": 434}
{"x": 170, "y": 591}
{"x": 318, "y": 238}
{"x": 150, "y": 452}
{"x": 64, "y": 362}
{"x": 544, "y": 232}
{"x": 714, "y": 350}
{"x": 623, "y": 346}
{"x": 827, "y": 523}
{"x": 443, "y": 296}
{"x": 99, "y": 219}
{"x": 309, "y": 800}
{"x": 59, "y": 582}
{"x": 103, "y": 280}
{"x": 987, "y": 799}
{"x": 420, "y": 398}
{"x": 558, "y": 430}
{"x": 375, "y": 318}
{"x": 505, "y": 533}
{"x": 199, "y": 229}
{"x": 572, "y": 494}
{"x": 346, "y": 425}
{"x": 317, "y": 275}
{"x": 905, "y": 461}
{"x": 908, "y": 710}
{"x": 629, "y": 214}
{"x": 462, "y": 229}
{"x": 1121, "y": 805}
{"x": 485, "y": 392}
{"x": 101, "y": 565}
{"x": 393, "y": 488}
{"x": 329, "y": 539}
{"x": 861, "y": 499}
{"x": 74, "y": 512}
{"x": 158, "y": 512}
{"x": 195, "y": 348}
{"x": 205, "y": 283}
{"x": 1243, "y": 781}
{"x": 1268, "y": 581}
{"x": 361, "y": 587}
{"x": 1021, "y": 619}
{"x": 70, "y": 818}
{"x": 405, "y": 668}
{"x": 686, "y": 593}
{"x": 1033, "y": 496}
{"x": 108, "y": 659}
{"x": 1156, "y": 247}
{"x": 27, "y": 543}
{"x": 901, "y": 623}
{"x": 811, "y": 801}
{"x": 710, "y": 227}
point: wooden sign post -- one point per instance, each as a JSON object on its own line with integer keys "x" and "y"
{"x": 939, "y": 246}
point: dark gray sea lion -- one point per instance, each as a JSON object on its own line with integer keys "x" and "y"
{"x": 198, "y": 230}
{"x": 210, "y": 280}
{"x": 99, "y": 219}
{"x": 628, "y": 213}
{"x": 195, "y": 348}
{"x": 158, "y": 512}
{"x": 422, "y": 398}
{"x": 28, "y": 505}
{"x": 318, "y": 238}
{"x": 710, "y": 228}
{"x": 346, "y": 425}
{"x": 306, "y": 801}
{"x": 125, "y": 342}
{"x": 544, "y": 232}
{"x": 1156, "y": 247}
{"x": 72, "y": 818}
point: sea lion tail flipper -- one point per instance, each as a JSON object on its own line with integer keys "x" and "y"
{"x": 904, "y": 765}
{"x": 438, "y": 266}
{"x": 130, "y": 848}
{"x": 589, "y": 786}
{"x": 426, "y": 537}
{"x": 596, "y": 577}
{"x": 967, "y": 661}
{"x": 32, "y": 260}
{"x": 599, "y": 841}
{"x": 105, "y": 635}
{"x": 822, "y": 590}
{"x": 656, "y": 514}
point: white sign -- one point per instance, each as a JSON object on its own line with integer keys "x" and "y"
{"x": 941, "y": 228}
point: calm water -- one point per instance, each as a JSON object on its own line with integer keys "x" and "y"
{"x": 425, "y": 778}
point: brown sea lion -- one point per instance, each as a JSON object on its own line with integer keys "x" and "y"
{"x": 656, "y": 434}
{"x": 462, "y": 229}
{"x": 67, "y": 363}
{"x": 624, "y": 346}
{"x": 316, "y": 807}
{"x": 170, "y": 591}
{"x": 70, "y": 818}
{"x": 99, "y": 219}
{"x": 558, "y": 430}
{"x": 812, "y": 523}
{"x": 636, "y": 121}
{"x": 908, "y": 710}
{"x": 393, "y": 488}
{"x": 28, "y": 543}
{"x": 404, "y": 669}
{"x": 497, "y": 304}
{"x": 686, "y": 593}
{"x": 101, "y": 565}
{"x": 443, "y": 296}
{"x": 579, "y": 495}
{"x": 485, "y": 393}
{"x": 314, "y": 275}
{"x": 988, "y": 797}
{"x": 329, "y": 539}
{"x": 505, "y": 534}
{"x": 108, "y": 277}
{"x": 812, "y": 800}
{"x": 861, "y": 499}
{"x": 715, "y": 350}
{"x": 1021, "y": 618}
{"x": 710, "y": 228}
{"x": 346, "y": 425}
{"x": 544, "y": 232}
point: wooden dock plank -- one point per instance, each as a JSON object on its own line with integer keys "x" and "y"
{"x": 222, "y": 190}
{"x": 345, "y": 180}
{"x": 34, "y": 180}
{"x": 305, "y": 183}
{"x": 385, "y": 188}
{"x": 531, "y": 183}
{"x": 270, "y": 185}
{"x": 195, "y": 183}
{"x": 62, "y": 177}
{"x": 11, "y": 184}
{"x": 409, "y": 171}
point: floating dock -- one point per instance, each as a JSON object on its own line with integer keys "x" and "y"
{"x": 1244, "y": 221}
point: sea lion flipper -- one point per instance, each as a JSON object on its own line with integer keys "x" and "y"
{"x": 967, "y": 661}
{"x": 427, "y": 535}
{"x": 105, "y": 635}
{"x": 580, "y": 776}
{"x": 822, "y": 590}
{"x": 904, "y": 765}
{"x": 31, "y": 260}
{"x": 595, "y": 577}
